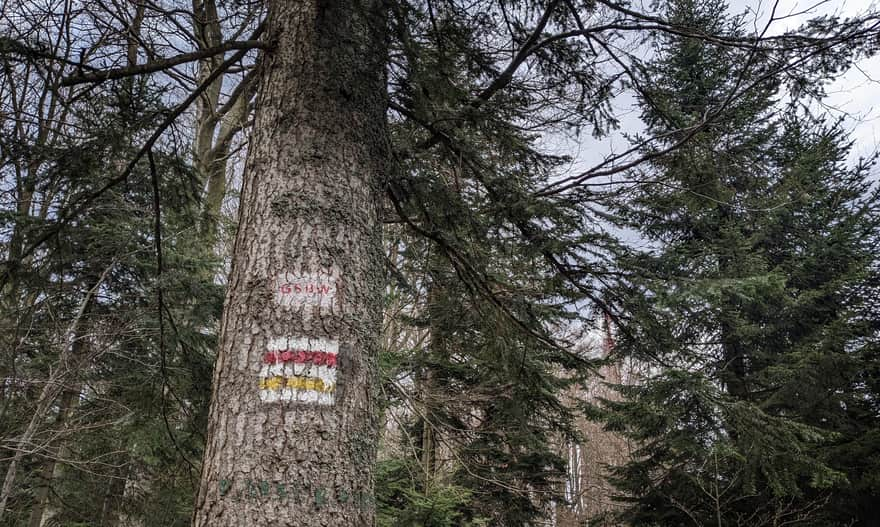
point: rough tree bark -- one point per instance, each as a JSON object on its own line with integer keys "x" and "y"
{"x": 292, "y": 426}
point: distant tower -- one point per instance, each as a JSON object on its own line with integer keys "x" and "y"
{"x": 588, "y": 495}
{"x": 608, "y": 341}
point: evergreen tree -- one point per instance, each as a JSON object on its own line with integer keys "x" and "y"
{"x": 824, "y": 242}
{"x": 749, "y": 308}
{"x": 127, "y": 385}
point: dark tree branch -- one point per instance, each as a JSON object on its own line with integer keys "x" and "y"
{"x": 161, "y": 64}
{"x": 10, "y": 47}
{"x": 504, "y": 78}
{"x": 160, "y": 306}
{"x": 524, "y": 52}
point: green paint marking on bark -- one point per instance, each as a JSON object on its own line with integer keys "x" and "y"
{"x": 225, "y": 485}
{"x": 320, "y": 497}
{"x": 342, "y": 496}
{"x": 252, "y": 489}
{"x": 365, "y": 500}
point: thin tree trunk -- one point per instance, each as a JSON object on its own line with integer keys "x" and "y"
{"x": 429, "y": 446}
{"x": 52, "y": 469}
{"x": 209, "y": 165}
{"x": 110, "y": 514}
{"x": 292, "y": 427}
{"x": 426, "y": 383}
{"x": 216, "y": 125}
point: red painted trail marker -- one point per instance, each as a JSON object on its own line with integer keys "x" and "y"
{"x": 309, "y": 289}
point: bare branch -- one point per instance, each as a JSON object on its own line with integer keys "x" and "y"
{"x": 78, "y": 208}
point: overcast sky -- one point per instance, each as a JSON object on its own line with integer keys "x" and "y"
{"x": 853, "y": 95}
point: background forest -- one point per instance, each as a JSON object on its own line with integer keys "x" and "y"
{"x": 685, "y": 333}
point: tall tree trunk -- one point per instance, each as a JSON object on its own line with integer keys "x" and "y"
{"x": 292, "y": 427}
